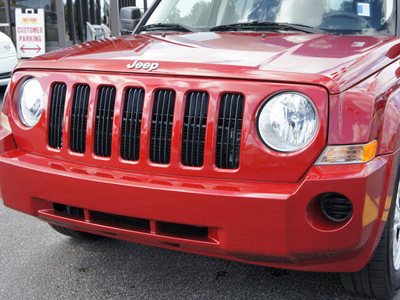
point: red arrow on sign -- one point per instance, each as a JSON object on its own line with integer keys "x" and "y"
{"x": 23, "y": 48}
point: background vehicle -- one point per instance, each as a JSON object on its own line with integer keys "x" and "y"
{"x": 260, "y": 131}
{"x": 8, "y": 59}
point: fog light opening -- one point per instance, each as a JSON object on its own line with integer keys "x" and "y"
{"x": 336, "y": 207}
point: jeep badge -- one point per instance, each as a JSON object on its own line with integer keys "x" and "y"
{"x": 145, "y": 66}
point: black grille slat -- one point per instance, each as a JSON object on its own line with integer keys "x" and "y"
{"x": 79, "y": 119}
{"x": 194, "y": 129}
{"x": 229, "y": 131}
{"x": 57, "y": 115}
{"x": 183, "y": 230}
{"x": 104, "y": 121}
{"x": 131, "y": 124}
{"x": 118, "y": 220}
{"x": 161, "y": 129}
{"x": 110, "y": 117}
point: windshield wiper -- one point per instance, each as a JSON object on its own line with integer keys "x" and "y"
{"x": 275, "y": 26}
{"x": 167, "y": 26}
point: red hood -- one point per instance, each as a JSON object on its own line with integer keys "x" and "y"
{"x": 336, "y": 62}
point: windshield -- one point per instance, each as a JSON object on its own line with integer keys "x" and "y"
{"x": 368, "y": 17}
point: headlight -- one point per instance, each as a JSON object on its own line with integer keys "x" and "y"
{"x": 30, "y": 102}
{"x": 288, "y": 121}
{"x": 7, "y": 48}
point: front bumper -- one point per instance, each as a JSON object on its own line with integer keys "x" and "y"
{"x": 266, "y": 223}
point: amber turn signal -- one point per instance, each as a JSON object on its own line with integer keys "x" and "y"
{"x": 348, "y": 154}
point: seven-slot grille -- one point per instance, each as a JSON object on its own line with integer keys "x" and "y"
{"x": 193, "y": 133}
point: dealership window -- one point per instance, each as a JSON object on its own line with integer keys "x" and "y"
{"x": 3, "y": 18}
{"x": 65, "y": 20}
{"x": 80, "y": 12}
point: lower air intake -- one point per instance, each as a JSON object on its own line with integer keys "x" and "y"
{"x": 116, "y": 220}
{"x": 183, "y": 230}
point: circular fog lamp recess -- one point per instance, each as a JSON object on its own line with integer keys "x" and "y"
{"x": 288, "y": 121}
{"x": 30, "y": 106}
{"x": 336, "y": 207}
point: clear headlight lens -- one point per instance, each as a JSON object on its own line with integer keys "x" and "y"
{"x": 288, "y": 122}
{"x": 30, "y": 102}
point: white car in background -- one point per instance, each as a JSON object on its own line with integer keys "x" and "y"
{"x": 8, "y": 58}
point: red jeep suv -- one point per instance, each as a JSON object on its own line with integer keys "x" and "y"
{"x": 262, "y": 131}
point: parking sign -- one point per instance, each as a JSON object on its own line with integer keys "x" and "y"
{"x": 30, "y": 33}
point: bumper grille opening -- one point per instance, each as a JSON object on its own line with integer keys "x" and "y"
{"x": 69, "y": 210}
{"x": 79, "y": 118}
{"x": 194, "y": 129}
{"x": 161, "y": 126}
{"x": 229, "y": 131}
{"x": 57, "y": 104}
{"x": 117, "y": 220}
{"x": 135, "y": 224}
{"x": 183, "y": 230}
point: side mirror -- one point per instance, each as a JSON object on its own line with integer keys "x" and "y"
{"x": 129, "y": 17}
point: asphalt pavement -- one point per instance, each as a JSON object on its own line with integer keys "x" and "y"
{"x": 38, "y": 263}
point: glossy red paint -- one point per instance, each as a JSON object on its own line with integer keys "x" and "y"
{"x": 367, "y": 111}
{"x": 265, "y": 212}
{"x": 335, "y": 62}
